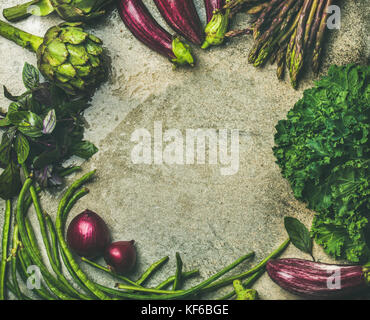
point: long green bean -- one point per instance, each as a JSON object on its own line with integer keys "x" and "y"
{"x": 67, "y": 287}
{"x": 59, "y": 229}
{"x": 151, "y": 270}
{"x": 248, "y": 273}
{"x": 5, "y": 240}
{"x": 170, "y": 280}
{"x": 25, "y": 262}
{"x": 110, "y": 272}
{"x": 192, "y": 291}
{"x": 48, "y": 277}
{"x": 177, "y": 281}
{"x": 54, "y": 241}
{"x": 14, "y": 261}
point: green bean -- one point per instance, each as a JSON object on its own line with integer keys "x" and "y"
{"x": 40, "y": 216}
{"x": 25, "y": 261}
{"x": 54, "y": 241}
{"x": 59, "y": 229}
{"x": 76, "y": 196}
{"x": 12, "y": 290}
{"x": 5, "y": 240}
{"x": 248, "y": 273}
{"x": 192, "y": 291}
{"x": 67, "y": 171}
{"x": 168, "y": 281}
{"x": 110, "y": 272}
{"x": 73, "y": 274}
{"x": 177, "y": 282}
{"x": 31, "y": 236}
{"x": 14, "y": 260}
{"x": 48, "y": 277}
{"x": 149, "y": 290}
{"x": 151, "y": 270}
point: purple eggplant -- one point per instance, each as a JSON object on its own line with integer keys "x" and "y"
{"x": 317, "y": 280}
{"x": 182, "y": 17}
{"x": 218, "y": 22}
{"x": 213, "y": 6}
{"x": 141, "y": 23}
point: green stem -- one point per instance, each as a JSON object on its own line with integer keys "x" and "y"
{"x": 5, "y": 240}
{"x": 20, "y": 37}
{"x": 18, "y": 12}
{"x": 110, "y": 272}
{"x": 248, "y": 273}
{"x": 151, "y": 270}
{"x": 68, "y": 171}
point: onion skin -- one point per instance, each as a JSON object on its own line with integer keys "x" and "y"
{"x": 182, "y": 16}
{"x": 137, "y": 18}
{"x": 88, "y": 235}
{"x": 211, "y": 6}
{"x": 121, "y": 256}
{"x": 316, "y": 280}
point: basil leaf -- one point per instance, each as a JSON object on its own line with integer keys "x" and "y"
{"x": 27, "y": 122}
{"x": 30, "y": 76}
{"x": 49, "y": 122}
{"x": 298, "y": 234}
{"x": 9, "y": 96}
{"x": 22, "y": 148}
{"x": 84, "y": 149}
{"x": 10, "y": 181}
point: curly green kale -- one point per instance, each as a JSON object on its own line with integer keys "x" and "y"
{"x": 323, "y": 149}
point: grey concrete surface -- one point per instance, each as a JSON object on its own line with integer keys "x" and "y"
{"x": 209, "y": 218}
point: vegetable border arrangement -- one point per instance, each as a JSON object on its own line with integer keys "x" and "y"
{"x": 322, "y": 149}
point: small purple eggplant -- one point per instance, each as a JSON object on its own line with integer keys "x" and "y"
{"x": 317, "y": 280}
{"x": 217, "y": 22}
{"x": 182, "y": 17}
{"x": 140, "y": 22}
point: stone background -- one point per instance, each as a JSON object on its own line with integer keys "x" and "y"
{"x": 209, "y": 218}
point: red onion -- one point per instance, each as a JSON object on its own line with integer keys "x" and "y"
{"x": 88, "y": 235}
{"x": 121, "y": 256}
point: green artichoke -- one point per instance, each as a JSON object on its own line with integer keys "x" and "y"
{"x": 68, "y": 10}
{"x": 68, "y": 56}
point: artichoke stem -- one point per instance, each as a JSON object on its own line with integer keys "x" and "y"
{"x": 21, "y": 38}
{"x": 18, "y": 12}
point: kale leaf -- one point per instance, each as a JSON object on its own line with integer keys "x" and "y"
{"x": 323, "y": 149}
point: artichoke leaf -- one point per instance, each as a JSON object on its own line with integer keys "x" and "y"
{"x": 77, "y": 55}
{"x": 56, "y": 53}
{"x": 73, "y": 35}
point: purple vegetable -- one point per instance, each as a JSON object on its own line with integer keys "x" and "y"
{"x": 217, "y": 22}
{"x": 121, "y": 256}
{"x": 211, "y": 6}
{"x": 182, "y": 17}
{"x": 140, "y": 22}
{"x": 318, "y": 280}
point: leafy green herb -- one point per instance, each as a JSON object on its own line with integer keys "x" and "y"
{"x": 323, "y": 149}
{"x": 42, "y": 128}
{"x": 22, "y": 148}
{"x": 30, "y": 76}
{"x": 298, "y": 234}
